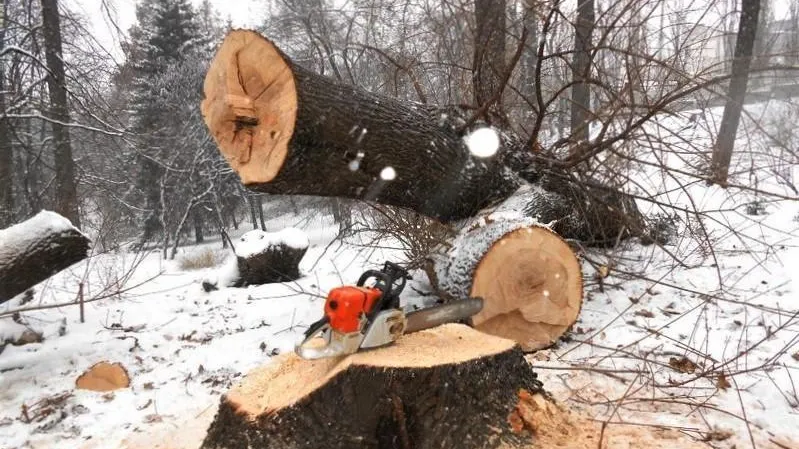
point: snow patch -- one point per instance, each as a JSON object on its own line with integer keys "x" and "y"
{"x": 257, "y": 241}
{"x": 482, "y": 142}
{"x": 355, "y": 164}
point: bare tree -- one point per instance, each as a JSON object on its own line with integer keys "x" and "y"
{"x": 581, "y": 71}
{"x": 744, "y": 45}
{"x": 6, "y": 155}
{"x": 66, "y": 190}
{"x": 488, "y": 68}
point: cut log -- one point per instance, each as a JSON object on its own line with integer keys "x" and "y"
{"x": 448, "y": 387}
{"x": 34, "y": 250}
{"x": 529, "y": 279}
{"x": 287, "y": 130}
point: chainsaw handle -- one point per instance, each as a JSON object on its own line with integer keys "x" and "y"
{"x": 384, "y": 283}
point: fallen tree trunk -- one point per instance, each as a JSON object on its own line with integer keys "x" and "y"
{"x": 448, "y": 387}
{"x": 36, "y": 249}
{"x": 287, "y": 130}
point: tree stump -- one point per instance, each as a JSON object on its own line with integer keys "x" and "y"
{"x": 262, "y": 258}
{"x": 268, "y": 257}
{"x": 36, "y": 249}
{"x": 448, "y": 387}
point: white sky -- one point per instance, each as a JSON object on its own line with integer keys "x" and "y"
{"x": 243, "y": 13}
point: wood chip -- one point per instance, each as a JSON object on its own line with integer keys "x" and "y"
{"x": 104, "y": 376}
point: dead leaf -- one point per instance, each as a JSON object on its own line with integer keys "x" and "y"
{"x": 682, "y": 365}
{"x": 153, "y": 418}
{"x": 644, "y": 313}
{"x": 722, "y": 383}
{"x": 796, "y": 356}
{"x": 717, "y": 435}
{"x": 603, "y": 271}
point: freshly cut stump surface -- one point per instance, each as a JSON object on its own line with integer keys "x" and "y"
{"x": 529, "y": 278}
{"x": 448, "y": 387}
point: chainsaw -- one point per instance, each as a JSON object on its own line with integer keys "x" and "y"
{"x": 364, "y": 317}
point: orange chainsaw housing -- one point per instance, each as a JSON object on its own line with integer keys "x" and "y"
{"x": 346, "y": 305}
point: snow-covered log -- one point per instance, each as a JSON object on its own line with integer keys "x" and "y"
{"x": 34, "y": 250}
{"x": 443, "y": 388}
{"x": 529, "y": 278}
{"x": 262, "y": 258}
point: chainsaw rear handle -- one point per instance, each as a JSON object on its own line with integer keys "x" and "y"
{"x": 389, "y": 275}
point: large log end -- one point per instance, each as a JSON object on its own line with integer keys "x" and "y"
{"x": 446, "y": 387}
{"x": 250, "y": 105}
{"x": 529, "y": 278}
{"x": 533, "y": 283}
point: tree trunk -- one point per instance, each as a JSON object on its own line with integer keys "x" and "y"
{"x": 448, "y": 387}
{"x": 34, "y": 250}
{"x": 6, "y": 148}
{"x": 66, "y": 190}
{"x": 528, "y": 277}
{"x": 722, "y": 151}
{"x": 285, "y": 130}
{"x": 260, "y": 206}
{"x": 488, "y": 67}
{"x": 581, "y": 71}
{"x": 197, "y": 221}
{"x": 530, "y": 57}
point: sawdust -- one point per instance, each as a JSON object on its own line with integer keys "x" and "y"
{"x": 290, "y": 378}
{"x": 553, "y": 426}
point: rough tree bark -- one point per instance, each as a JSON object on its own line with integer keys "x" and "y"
{"x": 581, "y": 71}
{"x": 35, "y": 249}
{"x": 66, "y": 190}
{"x": 394, "y": 397}
{"x": 744, "y": 44}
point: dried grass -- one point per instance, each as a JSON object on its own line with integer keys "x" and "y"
{"x": 207, "y": 258}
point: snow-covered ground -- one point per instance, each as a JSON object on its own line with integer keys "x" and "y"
{"x": 708, "y": 345}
